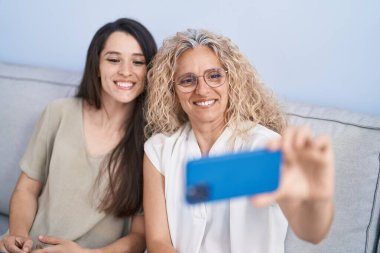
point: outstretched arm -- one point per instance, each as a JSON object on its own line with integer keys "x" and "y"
{"x": 306, "y": 189}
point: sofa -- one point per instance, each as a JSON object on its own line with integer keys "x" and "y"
{"x": 26, "y": 90}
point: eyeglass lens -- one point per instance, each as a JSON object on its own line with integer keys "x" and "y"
{"x": 212, "y": 77}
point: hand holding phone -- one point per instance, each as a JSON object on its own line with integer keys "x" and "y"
{"x": 232, "y": 175}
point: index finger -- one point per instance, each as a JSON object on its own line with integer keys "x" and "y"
{"x": 11, "y": 247}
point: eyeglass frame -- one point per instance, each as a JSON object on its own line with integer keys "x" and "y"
{"x": 204, "y": 79}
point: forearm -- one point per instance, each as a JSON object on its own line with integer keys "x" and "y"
{"x": 310, "y": 220}
{"x": 23, "y": 208}
{"x": 132, "y": 243}
{"x": 159, "y": 247}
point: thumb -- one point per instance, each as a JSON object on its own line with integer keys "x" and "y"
{"x": 50, "y": 240}
{"x": 264, "y": 199}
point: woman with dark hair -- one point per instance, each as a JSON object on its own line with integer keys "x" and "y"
{"x": 80, "y": 188}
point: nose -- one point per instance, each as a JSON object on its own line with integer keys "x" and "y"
{"x": 202, "y": 87}
{"x": 125, "y": 69}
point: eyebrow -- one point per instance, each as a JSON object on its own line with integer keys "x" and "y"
{"x": 186, "y": 74}
{"x": 118, "y": 53}
{"x": 191, "y": 73}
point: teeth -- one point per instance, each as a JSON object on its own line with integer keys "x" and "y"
{"x": 124, "y": 84}
{"x": 205, "y": 103}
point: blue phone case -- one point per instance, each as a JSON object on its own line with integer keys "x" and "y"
{"x": 232, "y": 175}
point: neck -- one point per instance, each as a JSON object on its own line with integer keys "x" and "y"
{"x": 112, "y": 115}
{"x": 207, "y": 134}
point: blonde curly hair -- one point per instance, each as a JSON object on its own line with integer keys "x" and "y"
{"x": 248, "y": 98}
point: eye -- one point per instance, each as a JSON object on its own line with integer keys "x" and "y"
{"x": 113, "y": 60}
{"x": 139, "y": 63}
{"x": 187, "y": 81}
{"x": 214, "y": 75}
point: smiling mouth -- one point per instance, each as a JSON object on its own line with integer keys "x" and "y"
{"x": 206, "y": 103}
{"x": 125, "y": 85}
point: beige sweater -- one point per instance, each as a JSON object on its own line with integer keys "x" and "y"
{"x": 57, "y": 156}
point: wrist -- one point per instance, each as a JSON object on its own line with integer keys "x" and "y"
{"x": 18, "y": 233}
{"x": 93, "y": 251}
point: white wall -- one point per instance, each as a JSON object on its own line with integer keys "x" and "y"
{"x": 321, "y": 52}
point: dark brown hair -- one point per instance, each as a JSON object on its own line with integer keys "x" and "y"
{"x": 123, "y": 196}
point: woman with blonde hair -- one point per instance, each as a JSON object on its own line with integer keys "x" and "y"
{"x": 205, "y": 99}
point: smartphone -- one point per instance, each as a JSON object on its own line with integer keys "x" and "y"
{"x": 232, "y": 175}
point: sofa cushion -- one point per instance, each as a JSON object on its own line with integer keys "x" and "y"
{"x": 3, "y": 224}
{"x": 25, "y": 91}
{"x": 356, "y": 143}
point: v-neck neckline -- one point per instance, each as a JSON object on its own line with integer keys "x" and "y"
{"x": 219, "y": 146}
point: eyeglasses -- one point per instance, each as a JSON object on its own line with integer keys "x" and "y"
{"x": 213, "y": 77}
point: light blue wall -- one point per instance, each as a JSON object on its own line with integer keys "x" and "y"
{"x": 321, "y": 52}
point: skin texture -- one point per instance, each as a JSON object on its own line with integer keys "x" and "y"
{"x": 307, "y": 183}
{"x": 209, "y": 119}
{"x": 122, "y": 70}
{"x": 122, "y": 61}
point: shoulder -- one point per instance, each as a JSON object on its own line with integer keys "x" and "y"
{"x": 156, "y": 139}
{"x": 162, "y": 140}
{"x": 160, "y": 148}
{"x": 64, "y": 104}
{"x": 263, "y": 132}
{"x": 60, "y": 109}
{"x": 256, "y": 137}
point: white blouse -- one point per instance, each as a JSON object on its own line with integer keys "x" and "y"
{"x": 195, "y": 228}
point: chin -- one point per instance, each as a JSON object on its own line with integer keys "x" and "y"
{"x": 204, "y": 120}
